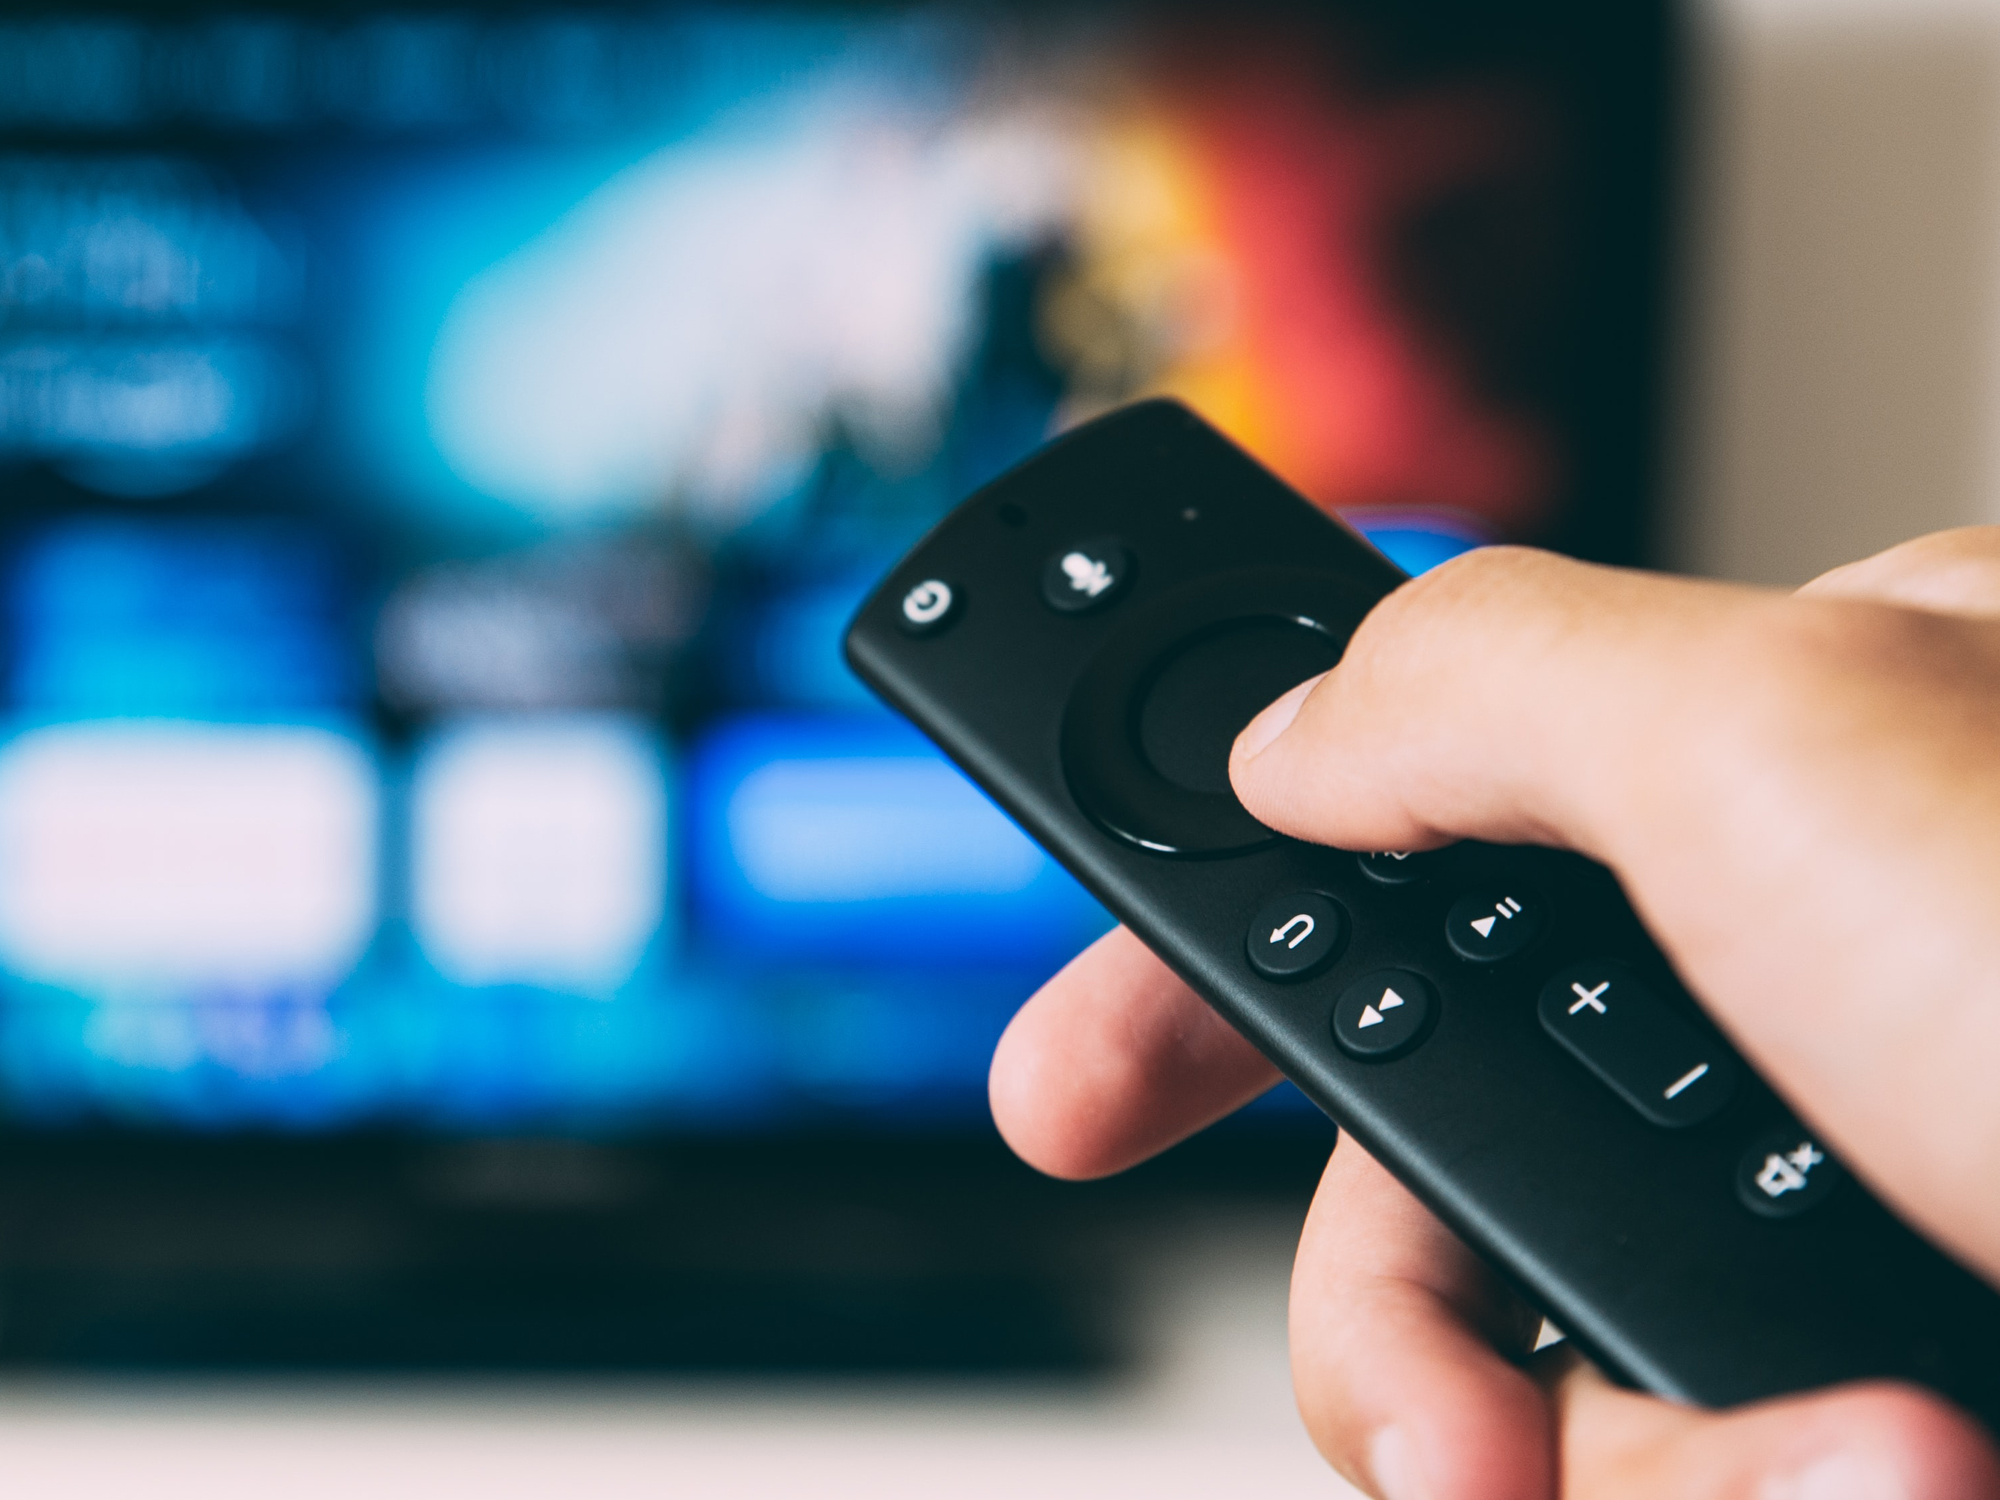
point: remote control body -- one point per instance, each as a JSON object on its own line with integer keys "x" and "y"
{"x": 1086, "y": 635}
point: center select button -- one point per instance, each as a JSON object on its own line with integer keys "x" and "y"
{"x": 1202, "y": 692}
{"x": 1294, "y": 936}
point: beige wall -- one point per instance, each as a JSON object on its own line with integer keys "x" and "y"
{"x": 1841, "y": 358}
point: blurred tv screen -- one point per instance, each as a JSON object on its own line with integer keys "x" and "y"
{"x": 440, "y": 450}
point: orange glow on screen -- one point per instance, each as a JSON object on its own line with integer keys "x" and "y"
{"x": 1245, "y": 214}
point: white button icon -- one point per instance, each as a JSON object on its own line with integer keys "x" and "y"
{"x": 1371, "y": 1015}
{"x": 1087, "y": 575}
{"x": 1304, "y": 923}
{"x": 928, "y": 602}
{"x": 1788, "y": 1171}
{"x": 1507, "y": 907}
{"x": 1592, "y": 998}
{"x": 1686, "y": 1081}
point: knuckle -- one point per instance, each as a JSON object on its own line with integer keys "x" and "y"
{"x": 1481, "y": 576}
{"x": 1443, "y": 602}
{"x": 1821, "y": 645}
{"x": 1960, "y": 562}
{"x": 1838, "y": 633}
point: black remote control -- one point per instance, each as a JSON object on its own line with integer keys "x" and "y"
{"x": 1086, "y": 636}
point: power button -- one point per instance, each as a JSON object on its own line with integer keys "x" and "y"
{"x": 928, "y": 608}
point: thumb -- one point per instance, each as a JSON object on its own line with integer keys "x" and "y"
{"x": 1856, "y": 1442}
{"x": 1509, "y": 695}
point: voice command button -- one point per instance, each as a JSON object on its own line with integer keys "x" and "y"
{"x": 1086, "y": 576}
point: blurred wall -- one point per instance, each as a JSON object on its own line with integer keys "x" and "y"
{"x": 1841, "y": 348}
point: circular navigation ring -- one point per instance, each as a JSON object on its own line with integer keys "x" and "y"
{"x": 1146, "y": 732}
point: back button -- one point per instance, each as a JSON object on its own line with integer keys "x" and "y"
{"x": 1383, "y": 1015}
{"x": 1293, "y": 937}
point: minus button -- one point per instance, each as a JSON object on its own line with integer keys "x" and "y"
{"x": 1679, "y": 1085}
{"x": 1637, "y": 1044}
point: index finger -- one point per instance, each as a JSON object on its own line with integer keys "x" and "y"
{"x": 1114, "y": 1060}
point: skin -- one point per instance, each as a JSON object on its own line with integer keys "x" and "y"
{"x": 1827, "y": 760}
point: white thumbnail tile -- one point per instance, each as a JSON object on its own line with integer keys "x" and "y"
{"x": 160, "y": 858}
{"x": 538, "y": 852}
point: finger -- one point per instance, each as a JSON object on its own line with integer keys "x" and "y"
{"x": 1394, "y": 1332}
{"x": 1728, "y": 751}
{"x": 1498, "y": 696}
{"x": 1116, "y": 1059}
{"x": 1399, "y": 1338}
{"x": 1952, "y": 572}
{"x": 1857, "y": 1442}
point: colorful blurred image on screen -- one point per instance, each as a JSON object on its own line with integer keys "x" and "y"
{"x": 440, "y": 451}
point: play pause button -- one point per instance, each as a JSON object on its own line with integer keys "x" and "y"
{"x": 1383, "y": 1015}
{"x": 1487, "y": 926}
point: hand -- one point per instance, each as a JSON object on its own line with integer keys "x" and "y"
{"x": 1801, "y": 794}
